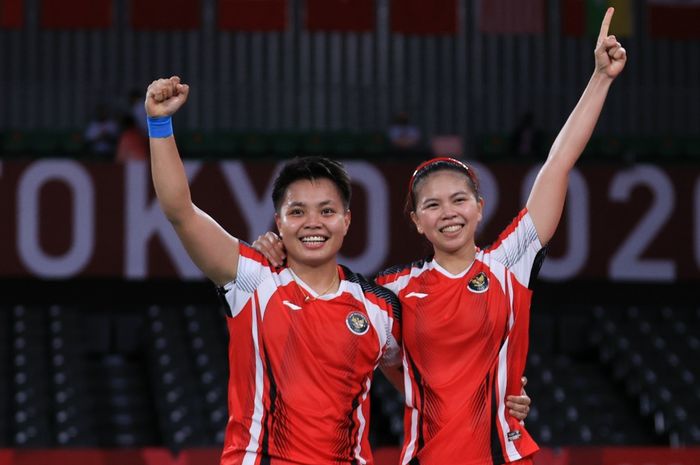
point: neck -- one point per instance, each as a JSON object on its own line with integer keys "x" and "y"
{"x": 318, "y": 277}
{"x": 457, "y": 261}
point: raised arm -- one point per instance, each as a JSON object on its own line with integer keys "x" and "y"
{"x": 209, "y": 246}
{"x": 546, "y": 200}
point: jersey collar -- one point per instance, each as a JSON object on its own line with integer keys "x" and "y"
{"x": 447, "y": 274}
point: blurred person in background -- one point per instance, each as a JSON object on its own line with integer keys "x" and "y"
{"x": 403, "y": 135}
{"x": 132, "y": 144}
{"x": 101, "y": 134}
{"x": 137, "y": 111}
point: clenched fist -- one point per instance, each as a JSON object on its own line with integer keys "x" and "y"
{"x": 165, "y": 96}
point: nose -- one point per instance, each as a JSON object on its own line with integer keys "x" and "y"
{"x": 313, "y": 220}
{"x": 448, "y": 213}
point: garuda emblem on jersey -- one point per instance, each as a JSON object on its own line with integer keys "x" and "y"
{"x": 357, "y": 323}
{"x": 479, "y": 283}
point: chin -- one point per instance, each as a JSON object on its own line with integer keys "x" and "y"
{"x": 315, "y": 257}
{"x": 449, "y": 247}
{"x": 315, "y": 260}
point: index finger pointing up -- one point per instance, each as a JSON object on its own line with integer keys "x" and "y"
{"x": 606, "y": 24}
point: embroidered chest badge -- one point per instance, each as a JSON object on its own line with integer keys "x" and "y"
{"x": 357, "y": 323}
{"x": 479, "y": 283}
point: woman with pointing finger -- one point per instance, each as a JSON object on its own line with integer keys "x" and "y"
{"x": 466, "y": 310}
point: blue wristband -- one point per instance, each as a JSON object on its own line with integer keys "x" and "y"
{"x": 160, "y": 126}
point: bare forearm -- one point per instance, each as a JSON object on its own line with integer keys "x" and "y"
{"x": 209, "y": 246}
{"x": 546, "y": 200}
{"x": 169, "y": 179}
{"x": 577, "y": 130}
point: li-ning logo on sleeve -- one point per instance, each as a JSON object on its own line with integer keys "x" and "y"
{"x": 514, "y": 435}
{"x": 357, "y": 323}
{"x": 479, "y": 283}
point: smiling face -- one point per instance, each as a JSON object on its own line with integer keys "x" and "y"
{"x": 447, "y": 211}
{"x": 312, "y": 222}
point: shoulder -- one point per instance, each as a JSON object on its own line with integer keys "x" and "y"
{"x": 394, "y": 273}
{"x": 253, "y": 268}
{"x": 247, "y": 252}
{"x": 374, "y": 292}
{"x": 520, "y": 230}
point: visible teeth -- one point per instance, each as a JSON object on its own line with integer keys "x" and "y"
{"x": 452, "y": 228}
{"x": 313, "y": 239}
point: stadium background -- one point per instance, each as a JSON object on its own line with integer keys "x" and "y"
{"x": 112, "y": 347}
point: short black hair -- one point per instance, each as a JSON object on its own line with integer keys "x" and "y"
{"x": 312, "y": 168}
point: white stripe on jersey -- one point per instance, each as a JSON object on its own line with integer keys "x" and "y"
{"x": 271, "y": 285}
{"x": 511, "y": 451}
{"x": 511, "y": 314}
{"x": 408, "y": 389}
{"x": 253, "y": 276}
{"x": 236, "y": 298}
{"x": 398, "y": 285}
{"x": 497, "y": 269}
{"x": 380, "y": 319}
{"x": 518, "y": 249}
{"x": 256, "y": 423}
{"x": 230, "y": 300}
{"x": 361, "y": 429}
{"x": 249, "y": 275}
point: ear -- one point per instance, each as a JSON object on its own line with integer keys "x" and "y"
{"x": 416, "y": 222}
{"x": 480, "y": 203}
{"x": 278, "y": 222}
{"x": 347, "y": 216}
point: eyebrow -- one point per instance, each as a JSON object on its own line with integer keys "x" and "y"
{"x": 431, "y": 199}
{"x": 304, "y": 204}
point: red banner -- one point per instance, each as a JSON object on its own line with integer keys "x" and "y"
{"x": 340, "y": 15}
{"x": 76, "y": 14}
{"x": 165, "y": 15}
{"x": 253, "y": 15}
{"x": 11, "y": 14}
{"x": 513, "y": 17}
{"x": 64, "y": 219}
{"x": 424, "y": 18}
{"x": 675, "y": 19}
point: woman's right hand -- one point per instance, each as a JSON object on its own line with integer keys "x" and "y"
{"x": 271, "y": 246}
{"x": 165, "y": 96}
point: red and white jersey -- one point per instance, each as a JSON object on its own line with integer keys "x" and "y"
{"x": 465, "y": 340}
{"x": 300, "y": 368}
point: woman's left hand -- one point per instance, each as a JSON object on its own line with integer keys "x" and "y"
{"x": 271, "y": 246}
{"x": 519, "y": 406}
{"x": 610, "y": 56}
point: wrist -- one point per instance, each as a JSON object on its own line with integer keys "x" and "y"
{"x": 160, "y": 127}
{"x": 601, "y": 78}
